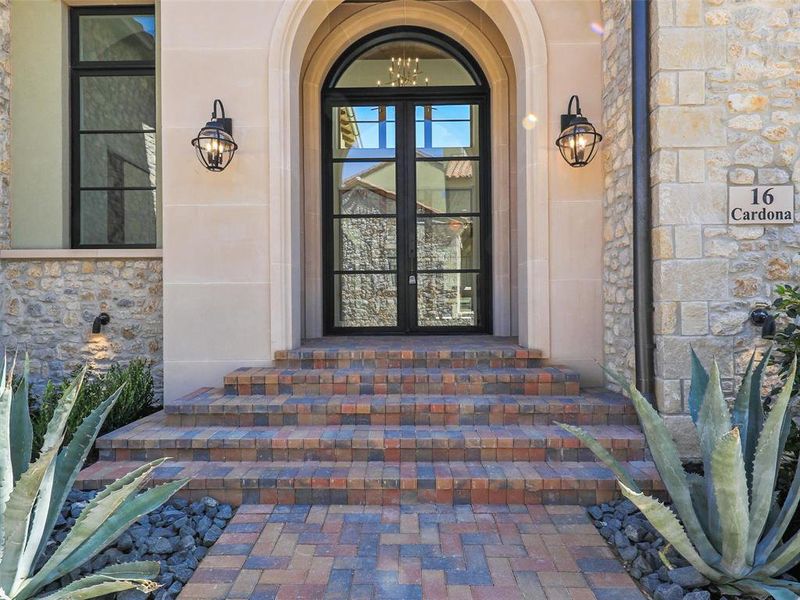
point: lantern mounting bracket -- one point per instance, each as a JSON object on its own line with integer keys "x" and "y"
{"x": 223, "y": 122}
{"x": 572, "y": 118}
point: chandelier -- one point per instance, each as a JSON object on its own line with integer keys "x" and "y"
{"x": 403, "y": 72}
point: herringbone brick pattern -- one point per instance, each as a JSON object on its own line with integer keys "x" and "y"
{"x": 410, "y": 552}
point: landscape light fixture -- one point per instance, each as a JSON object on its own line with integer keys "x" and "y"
{"x": 214, "y": 143}
{"x": 100, "y": 320}
{"x": 579, "y": 139}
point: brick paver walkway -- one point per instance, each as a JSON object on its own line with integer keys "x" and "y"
{"x": 411, "y": 551}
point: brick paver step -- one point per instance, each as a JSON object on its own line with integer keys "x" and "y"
{"x": 313, "y": 482}
{"x": 151, "y": 438}
{"x": 544, "y": 381}
{"x": 211, "y": 406}
{"x": 404, "y": 352}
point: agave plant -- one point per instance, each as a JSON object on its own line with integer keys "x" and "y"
{"x": 32, "y": 494}
{"x": 727, "y": 523}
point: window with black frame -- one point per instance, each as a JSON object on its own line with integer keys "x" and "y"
{"x": 113, "y": 127}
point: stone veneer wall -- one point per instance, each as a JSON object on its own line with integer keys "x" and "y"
{"x": 724, "y": 86}
{"x": 47, "y": 305}
{"x": 618, "y": 202}
{"x": 5, "y": 121}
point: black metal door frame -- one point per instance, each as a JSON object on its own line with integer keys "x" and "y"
{"x": 404, "y": 99}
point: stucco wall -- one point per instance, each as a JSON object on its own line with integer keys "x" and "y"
{"x": 618, "y": 203}
{"x": 725, "y": 110}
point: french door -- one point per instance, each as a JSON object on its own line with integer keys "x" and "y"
{"x": 406, "y": 246}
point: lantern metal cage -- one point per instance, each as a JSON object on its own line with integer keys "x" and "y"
{"x": 579, "y": 139}
{"x": 214, "y": 143}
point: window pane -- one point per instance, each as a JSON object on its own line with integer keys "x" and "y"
{"x": 118, "y": 217}
{"x": 118, "y": 102}
{"x": 365, "y": 300}
{"x": 448, "y": 243}
{"x": 447, "y": 186}
{"x": 363, "y": 131}
{"x": 446, "y": 130}
{"x": 118, "y": 160}
{"x": 447, "y": 299}
{"x": 364, "y": 188}
{"x": 368, "y": 244}
{"x": 117, "y": 38}
{"x": 404, "y": 63}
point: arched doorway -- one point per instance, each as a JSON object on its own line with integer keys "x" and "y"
{"x": 406, "y": 187}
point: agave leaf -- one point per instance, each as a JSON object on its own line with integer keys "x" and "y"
{"x": 6, "y": 472}
{"x": 740, "y": 415}
{"x": 730, "y": 487}
{"x": 601, "y": 453}
{"x": 765, "y": 465}
{"x": 759, "y": 588}
{"x": 105, "y": 533}
{"x": 101, "y": 588}
{"x": 97, "y": 512}
{"x": 18, "y": 513}
{"x": 20, "y": 423}
{"x": 70, "y": 461}
{"x": 668, "y": 463}
{"x": 667, "y": 524}
{"x": 697, "y": 390}
{"x": 775, "y": 533}
{"x": 697, "y": 489}
{"x": 37, "y": 525}
{"x": 713, "y": 422}
{"x": 55, "y": 428}
{"x": 135, "y": 574}
{"x": 755, "y": 420}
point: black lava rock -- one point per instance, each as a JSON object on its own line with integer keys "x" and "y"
{"x": 669, "y": 591}
{"x": 688, "y": 577}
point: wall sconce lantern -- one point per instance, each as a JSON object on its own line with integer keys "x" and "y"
{"x": 100, "y": 320}
{"x": 214, "y": 143}
{"x": 579, "y": 139}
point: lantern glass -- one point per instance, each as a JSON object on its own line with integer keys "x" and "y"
{"x": 215, "y": 147}
{"x": 578, "y": 143}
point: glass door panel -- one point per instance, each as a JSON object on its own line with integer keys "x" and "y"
{"x": 447, "y": 195}
{"x": 363, "y": 229}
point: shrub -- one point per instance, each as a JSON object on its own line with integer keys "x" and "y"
{"x": 731, "y": 529}
{"x": 32, "y": 494}
{"x": 786, "y": 310}
{"x": 136, "y": 400}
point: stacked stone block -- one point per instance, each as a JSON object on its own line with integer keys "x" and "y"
{"x": 725, "y": 110}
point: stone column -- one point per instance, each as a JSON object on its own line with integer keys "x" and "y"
{"x": 618, "y": 202}
{"x": 5, "y": 123}
{"x": 725, "y": 111}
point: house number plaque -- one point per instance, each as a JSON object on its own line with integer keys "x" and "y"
{"x": 761, "y": 204}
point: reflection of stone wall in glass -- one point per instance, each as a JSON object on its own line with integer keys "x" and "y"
{"x": 370, "y": 244}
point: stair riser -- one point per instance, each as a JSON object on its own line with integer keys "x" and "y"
{"x": 393, "y": 492}
{"x": 250, "y": 419}
{"x": 303, "y": 388}
{"x": 366, "y": 454}
{"x": 407, "y": 363}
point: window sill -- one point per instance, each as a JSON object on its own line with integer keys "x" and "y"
{"x": 70, "y": 254}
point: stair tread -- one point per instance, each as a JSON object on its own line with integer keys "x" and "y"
{"x": 481, "y": 370}
{"x": 415, "y": 344}
{"x": 644, "y": 470}
{"x": 153, "y": 428}
{"x": 216, "y": 397}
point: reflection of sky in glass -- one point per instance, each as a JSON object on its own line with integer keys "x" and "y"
{"x": 358, "y": 168}
{"x": 148, "y": 23}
